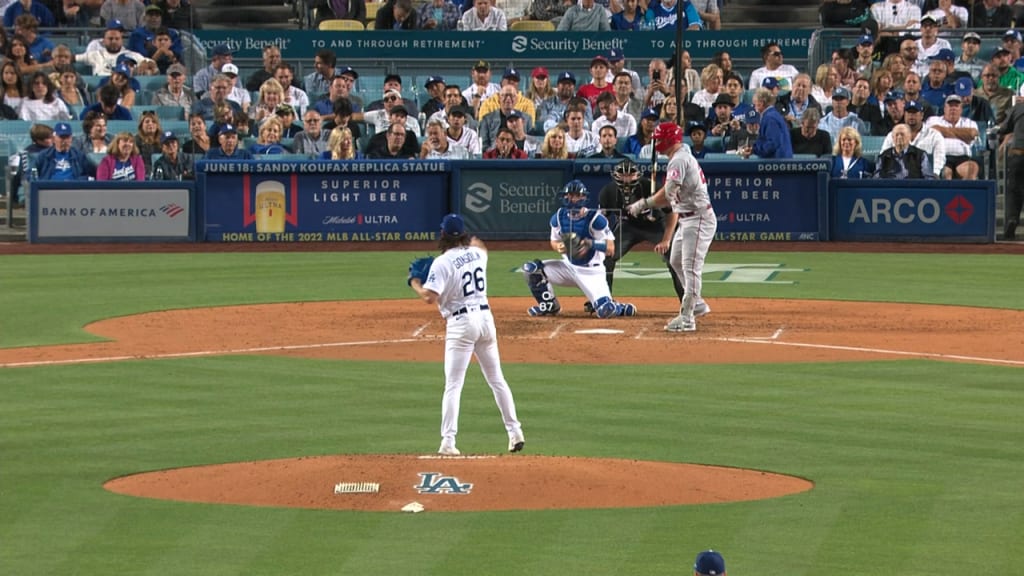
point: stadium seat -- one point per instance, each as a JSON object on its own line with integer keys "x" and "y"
{"x": 533, "y": 25}
{"x": 371, "y": 12}
{"x": 339, "y": 24}
{"x": 371, "y": 24}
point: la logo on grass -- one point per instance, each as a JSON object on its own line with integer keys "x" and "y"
{"x": 437, "y": 483}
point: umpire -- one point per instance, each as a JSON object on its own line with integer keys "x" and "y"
{"x": 626, "y": 187}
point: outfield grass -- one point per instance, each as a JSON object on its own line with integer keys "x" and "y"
{"x": 917, "y": 464}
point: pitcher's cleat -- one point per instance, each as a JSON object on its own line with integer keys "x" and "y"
{"x": 701, "y": 309}
{"x": 681, "y": 324}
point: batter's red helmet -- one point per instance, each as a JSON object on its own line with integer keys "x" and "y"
{"x": 666, "y": 135}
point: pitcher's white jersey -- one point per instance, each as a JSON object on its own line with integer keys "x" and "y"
{"x": 459, "y": 277}
{"x": 685, "y": 185}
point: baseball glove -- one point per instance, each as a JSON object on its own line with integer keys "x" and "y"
{"x": 577, "y": 248}
{"x": 420, "y": 268}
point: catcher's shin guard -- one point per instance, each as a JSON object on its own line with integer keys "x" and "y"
{"x": 605, "y": 307}
{"x": 547, "y": 304}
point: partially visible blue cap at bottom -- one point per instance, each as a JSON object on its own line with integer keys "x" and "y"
{"x": 709, "y": 563}
{"x": 453, "y": 225}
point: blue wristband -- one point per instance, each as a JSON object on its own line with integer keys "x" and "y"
{"x": 601, "y": 246}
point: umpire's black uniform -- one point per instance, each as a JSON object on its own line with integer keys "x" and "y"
{"x": 630, "y": 231}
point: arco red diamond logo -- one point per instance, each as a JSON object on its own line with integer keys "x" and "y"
{"x": 959, "y": 209}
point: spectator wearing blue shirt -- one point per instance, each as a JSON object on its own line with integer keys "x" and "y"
{"x": 228, "y": 149}
{"x": 662, "y": 13}
{"x": 61, "y": 161}
{"x": 39, "y": 47}
{"x": 44, "y": 17}
{"x": 107, "y": 104}
{"x": 644, "y": 132}
{"x": 773, "y": 139}
{"x": 143, "y": 38}
{"x": 630, "y": 18}
{"x": 936, "y": 85}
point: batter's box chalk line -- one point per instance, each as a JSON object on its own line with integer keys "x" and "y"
{"x": 356, "y": 488}
{"x": 462, "y": 457}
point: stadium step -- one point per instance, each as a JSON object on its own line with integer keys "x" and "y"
{"x": 765, "y": 13}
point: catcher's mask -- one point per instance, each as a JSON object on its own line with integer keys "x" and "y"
{"x": 666, "y": 135}
{"x": 574, "y": 197}
{"x": 626, "y": 175}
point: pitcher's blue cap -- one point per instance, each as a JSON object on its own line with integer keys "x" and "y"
{"x": 709, "y": 563}
{"x": 453, "y": 225}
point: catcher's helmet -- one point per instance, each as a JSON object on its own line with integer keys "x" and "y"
{"x": 579, "y": 193}
{"x": 666, "y": 135}
{"x": 626, "y": 175}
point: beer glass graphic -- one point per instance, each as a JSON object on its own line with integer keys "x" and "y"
{"x": 270, "y": 211}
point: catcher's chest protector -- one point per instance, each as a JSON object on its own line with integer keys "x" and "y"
{"x": 583, "y": 227}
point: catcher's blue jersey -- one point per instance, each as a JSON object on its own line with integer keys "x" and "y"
{"x": 592, "y": 226}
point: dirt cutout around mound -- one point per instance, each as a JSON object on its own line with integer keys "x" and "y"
{"x": 442, "y": 483}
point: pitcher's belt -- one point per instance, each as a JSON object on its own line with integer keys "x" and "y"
{"x": 465, "y": 309}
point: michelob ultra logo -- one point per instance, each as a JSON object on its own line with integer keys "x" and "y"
{"x": 267, "y": 207}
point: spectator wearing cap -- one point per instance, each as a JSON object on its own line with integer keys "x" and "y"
{"x": 612, "y": 116}
{"x": 229, "y": 149}
{"x": 798, "y": 100}
{"x": 960, "y": 135}
{"x": 435, "y": 88}
{"x": 286, "y": 114}
{"x": 584, "y": 16}
{"x": 220, "y": 87}
{"x": 271, "y": 58}
{"x": 312, "y": 140}
{"x": 172, "y": 164}
{"x": 711, "y": 78}
{"x": 459, "y": 133}
{"x": 179, "y": 15}
{"x": 893, "y": 113}
{"x": 806, "y": 137}
{"x": 912, "y": 91}
{"x": 929, "y": 45}
{"x": 221, "y": 55}
{"x": 107, "y": 104}
{"x": 104, "y": 59}
{"x": 510, "y": 79}
{"x": 483, "y": 16}
{"x": 1012, "y": 42}
{"x": 840, "y": 116}
{"x": 237, "y": 94}
{"x": 175, "y": 93}
{"x": 617, "y": 64}
{"x": 644, "y": 132}
{"x": 935, "y": 87}
{"x": 121, "y": 77}
{"x": 977, "y": 109}
{"x": 625, "y": 97}
{"x": 393, "y": 111}
{"x": 698, "y": 135}
{"x": 553, "y": 110}
{"x": 745, "y": 138}
{"x": 721, "y": 122}
{"x": 999, "y": 97}
{"x": 143, "y": 39}
{"x": 396, "y": 15}
{"x": 848, "y": 162}
{"x": 949, "y": 15}
{"x": 968, "y": 63}
{"x": 921, "y": 137}
{"x": 394, "y": 82}
{"x": 395, "y": 143}
{"x": 896, "y": 15}
{"x": 508, "y": 98}
{"x": 61, "y": 161}
{"x": 773, "y": 135}
{"x": 517, "y": 124}
{"x": 709, "y": 563}
{"x": 129, "y": 12}
{"x": 339, "y": 10}
{"x": 664, "y": 14}
{"x": 902, "y": 160}
{"x": 599, "y": 80}
{"x": 439, "y": 15}
{"x": 991, "y": 14}
{"x": 482, "y": 88}
{"x": 123, "y": 163}
{"x": 318, "y": 82}
{"x": 631, "y": 17}
{"x": 436, "y": 145}
{"x": 865, "y": 63}
{"x": 774, "y": 66}
{"x": 540, "y": 88}
{"x": 1009, "y": 77}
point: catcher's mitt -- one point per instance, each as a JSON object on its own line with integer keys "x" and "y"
{"x": 575, "y": 247}
{"x": 420, "y": 268}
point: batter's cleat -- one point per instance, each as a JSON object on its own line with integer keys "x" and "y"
{"x": 516, "y": 443}
{"x": 545, "y": 309}
{"x": 448, "y": 449}
{"x": 681, "y": 324}
{"x": 626, "y": 309}
{"x": 588, "y": 307}
{"x": 701, "y": 309}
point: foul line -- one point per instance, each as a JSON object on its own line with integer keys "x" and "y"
{"x": 873, "y": 350}
{"x": 207, "y": 353}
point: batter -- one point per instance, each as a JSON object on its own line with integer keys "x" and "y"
{"x": 686, "y": 191}
{"x": 585, "y": 269}
{"x": 457, "y": 283}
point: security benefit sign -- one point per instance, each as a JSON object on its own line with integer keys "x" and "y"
{"x": 511, "y": 198}
{"x": 913, "y": 210}
{"x": 281, "y": 201}
{"x": 767, "y": 200}
{"x": 111, "y": 212}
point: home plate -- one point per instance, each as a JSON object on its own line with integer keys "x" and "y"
{"x": 600, "y": 331}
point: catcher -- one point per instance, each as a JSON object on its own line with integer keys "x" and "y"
{"x": 583, "y": 238}
{"x": 628, "y": 186}
{"x": 457, "y": 282}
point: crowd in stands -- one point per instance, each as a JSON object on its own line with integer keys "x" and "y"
{"x": 907, "y": 86}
